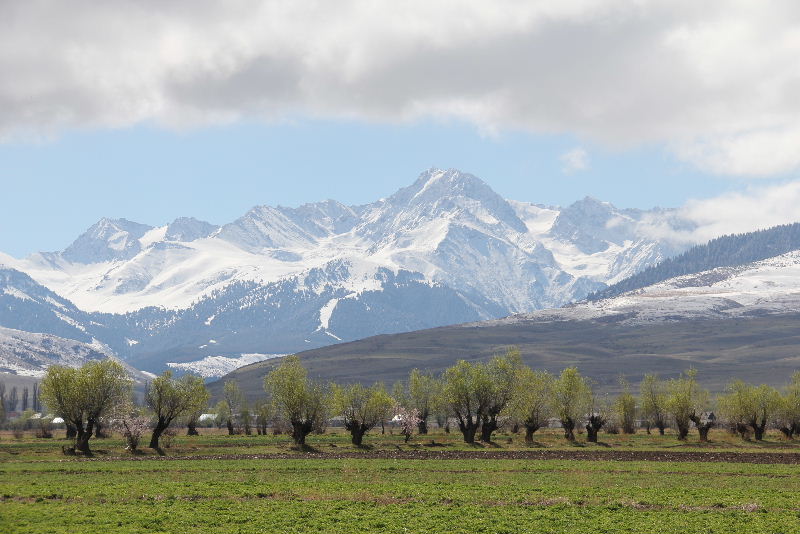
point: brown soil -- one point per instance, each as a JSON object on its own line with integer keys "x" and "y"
{"x": 618, "y": 456}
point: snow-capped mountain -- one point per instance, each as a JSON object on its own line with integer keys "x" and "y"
{"x": 446, "y": 249}
{"x": 30, "y": 354}
{"x": 766, "y": 287}
{"x": 727, "y": 322}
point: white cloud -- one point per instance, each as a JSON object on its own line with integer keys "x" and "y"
{"x": 574, "y": 160}
{"x": 756, "y": 208}
{"x": 716, "y": 80}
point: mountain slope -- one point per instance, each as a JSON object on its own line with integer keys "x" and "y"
{"x": 726, "y": 322}
{"x": 725, "y": 251}
{"x": 446, "y": 249}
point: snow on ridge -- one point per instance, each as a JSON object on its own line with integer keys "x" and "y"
{"x": 325, "y": 313}
{"x": 218, "y": 366}
{"x": 268, "y": 245}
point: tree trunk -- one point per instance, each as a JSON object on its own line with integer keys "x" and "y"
{"x": 683, "y": 430}
{"x": 82, "y": 440}
{"x": 743, "y": 430}
{"x": 72, "y": 432}
{"x": 758, "y": 430}
{"x": 357, "y": 432}
{"x": 569, "y": 429}
{"x": 593, "y": 426}
{"x": 529, "y": 431}
{"x": 422, "y": 426}
{"x": 230, "y": 427}
{"x": 161, "y": 426}
{"x": 468, "y": 428}
{"x": 98, "y": 431}
{"x": 488, "y": 426}
{"x": 786, "y": 431}
{"x": 300, "y": 429}
{"x": 703, "y": 430}
{"x": 661, "y": 426}
{"x": 191, "y": 428}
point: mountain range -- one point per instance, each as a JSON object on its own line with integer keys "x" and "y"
{"x": 728, "y": 322}
{"x": 445, "y": 250}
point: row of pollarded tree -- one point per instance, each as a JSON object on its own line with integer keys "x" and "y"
{"x": 481, "y": 397}
{"x": 101, "y": 391}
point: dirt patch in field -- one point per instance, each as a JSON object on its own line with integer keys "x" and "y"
{"x": 618, "y": 456}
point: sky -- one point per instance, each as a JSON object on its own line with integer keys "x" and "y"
{"x": 151, "y": 111}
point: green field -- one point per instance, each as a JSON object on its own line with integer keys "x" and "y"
{"x": 199, "y": 487}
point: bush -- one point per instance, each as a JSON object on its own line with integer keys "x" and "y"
{"x": 44, "y": 429}
{"x": 168, "y": 437}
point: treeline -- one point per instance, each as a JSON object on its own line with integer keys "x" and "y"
{"x": 16, "y": 400}
{"x": 477, "y": 398}
{"x": 725, "y": 251}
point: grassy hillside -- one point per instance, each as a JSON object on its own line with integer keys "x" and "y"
{"x": 761, "y": 349}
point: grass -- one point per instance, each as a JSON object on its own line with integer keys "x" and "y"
{"x": 43, "y": 491}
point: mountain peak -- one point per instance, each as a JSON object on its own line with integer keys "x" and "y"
{"x": 189, "y": 229}
{"x": 107, "y": 240}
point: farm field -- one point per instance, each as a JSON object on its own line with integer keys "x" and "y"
{"x": 220, "y": 483}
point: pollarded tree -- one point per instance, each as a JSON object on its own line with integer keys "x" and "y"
{"x": 263, "y": 413}
{"x": 235, "y": 401}
{"x": 787, "y": 416}
{"x": 653, "y": 396}
{"x": 296, "y": 399}
{"x": 82, "y": 396}
{"x": 502, "y": 372}
{"x": 625, "y": 408}
{"x": 572, "y": 399}
{"x": 598, "y": 415}
{"x": 531, "y": 403}
{"x": 466, "y": 392}
{"x": 423, "y": 389}
{"x": 170, "y": 398}
{"x": 361, "y": 407}
{"x": 748, "y": 406}
{"x": 686, "y": 402}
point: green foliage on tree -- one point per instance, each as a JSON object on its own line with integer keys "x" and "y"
{"x": 653, "y": 397}
{"x": 299, "y": 401}
{"x": 170, "y": 398}
{"x": 478, "y": 393}
{"x": 686, "y": 402}
{"x": 83, "y": 396}
{"x": 572, "y": 399}
{"x": 532, "y": 402}
{"x": 423, "y": 390}
{"x": 235, "y": 404}
{"x": 750, "y": 407}
{"x": 625, "y": 408}
{"x": 787, "y": 415}
{"x": 361, "y": 407}
{"x": 466, "y": 393}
